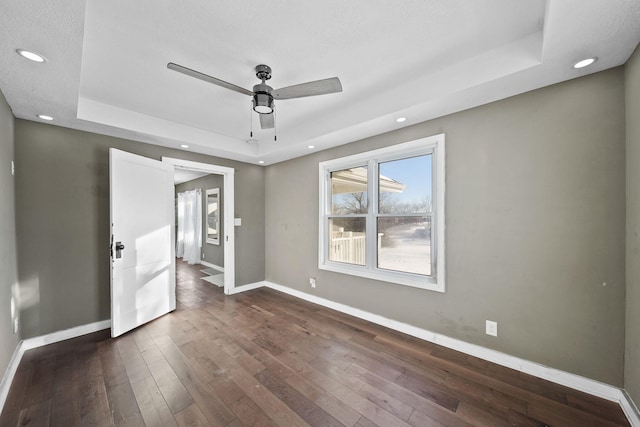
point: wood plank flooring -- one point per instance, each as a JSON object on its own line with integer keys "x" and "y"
{"x": 263, "y": 358}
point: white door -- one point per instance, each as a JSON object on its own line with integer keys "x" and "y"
{"x": 143, "y": 279}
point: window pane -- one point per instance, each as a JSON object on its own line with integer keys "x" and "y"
{"x": 404, "y": 186}
{"x": 347, "y": 240}
{"x": 349, "y": 191}
{"x": 404, "y": 244}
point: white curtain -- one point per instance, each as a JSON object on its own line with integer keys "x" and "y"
{"x": 189, "y": 238}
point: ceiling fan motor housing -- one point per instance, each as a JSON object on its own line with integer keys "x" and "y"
{"x": 263, "y": 72}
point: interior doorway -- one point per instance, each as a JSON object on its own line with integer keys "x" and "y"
{"x": 224, "y": 273}
{"x": 199, "y": 199}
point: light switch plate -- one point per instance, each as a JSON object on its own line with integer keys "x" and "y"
{"x": 237, "y": 222}
{"x": 492, "y": 328}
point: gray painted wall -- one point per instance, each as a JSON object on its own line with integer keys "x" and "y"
{"x": 213, "y": 254}
{"x": 62, "y": 205}
{"x": 8, "y": 261}
{"x": 632, "y": 353}
{"x": 535, "y": 224}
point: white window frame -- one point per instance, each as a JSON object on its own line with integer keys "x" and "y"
{"x": 434, "y": 145}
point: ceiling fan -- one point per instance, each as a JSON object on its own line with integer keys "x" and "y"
{"x": 263, "y": 94}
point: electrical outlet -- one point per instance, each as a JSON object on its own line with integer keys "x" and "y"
{"x": 312, "y": 282}
{"x": 492, "y": 328}
{"x": 203, "y": 257}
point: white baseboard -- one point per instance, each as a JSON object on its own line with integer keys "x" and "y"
{"x": 66, "y": 334}
{"x": 557, "y": 376}
{"x": 630, "y": 409}
{"x": 10, "y": 372}
{"x": 208, "y": 264}
{"x": 245, "y": 288}
{"x": 31, "y": 343}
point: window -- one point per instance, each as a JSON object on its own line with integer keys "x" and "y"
{"x": 382, "y": 214}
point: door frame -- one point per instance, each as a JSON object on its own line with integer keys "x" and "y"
{"x": 228, "y": 209}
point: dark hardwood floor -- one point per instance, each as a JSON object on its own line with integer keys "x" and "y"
{"x": 263, "y": 358}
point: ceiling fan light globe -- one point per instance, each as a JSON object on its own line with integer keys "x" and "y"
{"x": 260, "y": 109}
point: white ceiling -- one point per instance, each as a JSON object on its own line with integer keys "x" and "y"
{"x": 420, "y": 59}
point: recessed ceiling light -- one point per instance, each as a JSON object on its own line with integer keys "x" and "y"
{"x": 584, "y": 63}
{"x": 44, "y": 117}
{"x": 184, "y": 146}
{"x": 32, "y": 56}
{"x": 261, "y": 162}
{"x": 311, "y": 146}
{"x": 401, "y": 119}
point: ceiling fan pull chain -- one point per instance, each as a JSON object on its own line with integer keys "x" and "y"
{"x": 275, "y": 128}
{"x": 251, "y": 121}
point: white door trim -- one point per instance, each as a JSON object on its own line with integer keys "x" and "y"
{"x": 229, "y": 212}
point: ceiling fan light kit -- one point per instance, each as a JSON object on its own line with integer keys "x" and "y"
{"x": 262, "y": 102}
{"x": 262, "y": 94}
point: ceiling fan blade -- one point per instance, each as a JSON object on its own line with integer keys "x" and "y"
{"x": 266, "y": 121}
{"x": 209, "y": 79}
{"x": 318, "y": 87}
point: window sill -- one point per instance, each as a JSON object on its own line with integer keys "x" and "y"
{"x": 399, "y": 278}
